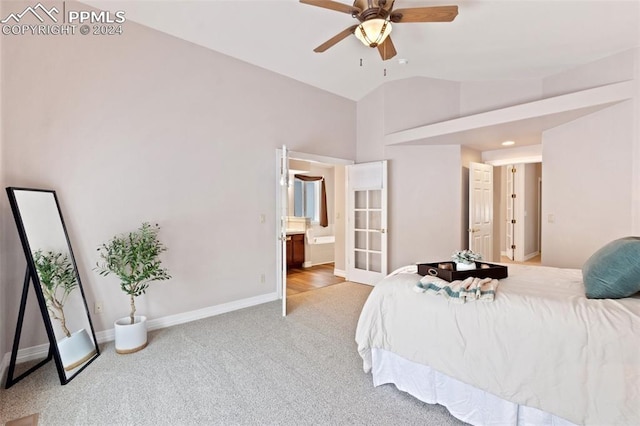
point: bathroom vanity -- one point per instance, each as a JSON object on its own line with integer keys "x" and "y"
{"x": 295, "y": 249}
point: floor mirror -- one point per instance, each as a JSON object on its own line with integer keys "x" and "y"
{"x": 51, "y": 268}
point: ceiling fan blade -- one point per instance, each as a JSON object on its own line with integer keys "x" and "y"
{"x": 333, "y": 5}
{"x": 387, "y": 49}
{"x": 425, "y": 14}
{"x": 335, "y": 39}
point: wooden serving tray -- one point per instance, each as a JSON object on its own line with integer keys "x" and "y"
{"x": 447, "y": 271}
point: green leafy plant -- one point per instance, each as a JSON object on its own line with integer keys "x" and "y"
{"x": 57, "y": 280}
{"x": 134, "y": 258}
{"x": 466, "y": 256}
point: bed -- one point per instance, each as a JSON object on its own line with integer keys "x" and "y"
{"x": 539, "y": 353}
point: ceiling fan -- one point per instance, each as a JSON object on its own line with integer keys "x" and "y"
{"x": 376, "y": 17}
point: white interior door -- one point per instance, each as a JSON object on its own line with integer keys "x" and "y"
{"x": 367, "y": 222}
{"x": 481, "y": 209}
{"x": 282, "y": 200}
{"x": 511, "y": 217}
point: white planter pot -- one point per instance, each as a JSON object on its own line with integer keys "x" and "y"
{"x": 465, "y": 266}
{"x": 130, "y": 338}
{"x": 76, "y": 349}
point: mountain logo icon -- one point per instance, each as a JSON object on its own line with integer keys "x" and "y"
{"x": 38, "y": 11}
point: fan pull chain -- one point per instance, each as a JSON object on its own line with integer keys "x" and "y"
{"x": 360, "y": 61}
{"x": 385, "y": 72}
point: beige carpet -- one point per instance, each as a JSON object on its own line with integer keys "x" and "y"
{"x": 248, "y": 367}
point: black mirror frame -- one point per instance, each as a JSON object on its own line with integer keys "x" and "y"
{"x": 32, "y": 275}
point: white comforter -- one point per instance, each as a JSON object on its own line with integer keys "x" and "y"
{"x": 540, "y": 343}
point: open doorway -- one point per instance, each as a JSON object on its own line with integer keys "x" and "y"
{"x": 303, "y": 243}
{"x": 518, "y": 202}
{"x": 314, "y": 217}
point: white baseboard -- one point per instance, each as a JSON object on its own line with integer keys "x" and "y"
{"x": 531, "y": 255}
{"x": 526, "y": 256}
{"x": 41, "y": 351}
{"x": 210, "y": 311}
{"x": 340, "y": 273}
{"x": 310, "y": 264}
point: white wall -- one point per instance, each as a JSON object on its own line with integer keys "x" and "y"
{"x": 370, "y": 127}
{"x": 147, "y": 127}
{"x": 587, "y": 170}
{"x": 418, "y": 101}
{"x": 531, "y": 189}
{"x": 482, "y": 96}
{"x": 590, "y": 168}
{"x": 612, "y": 69}
{"x": 425, "y": 210}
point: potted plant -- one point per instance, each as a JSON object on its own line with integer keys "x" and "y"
{"x": 134, "y": 259}
{"x": 58, "y": 280}
{"x": 465, "y": 259}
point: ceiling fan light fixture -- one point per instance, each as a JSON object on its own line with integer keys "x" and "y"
{"x": 373, "y": 32}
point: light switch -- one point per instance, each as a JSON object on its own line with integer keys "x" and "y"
{"x": 262, "y": 218}
{"x": 551, "y": 218}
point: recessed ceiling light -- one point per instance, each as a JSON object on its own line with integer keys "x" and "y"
{"x": 403, "y": 61}
{"x": 508, "y": 143}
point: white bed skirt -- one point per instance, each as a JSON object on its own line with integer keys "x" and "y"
{"x": 463, "y": 401}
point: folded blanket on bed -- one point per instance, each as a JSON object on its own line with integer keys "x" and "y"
{"x": 460, "y": 291}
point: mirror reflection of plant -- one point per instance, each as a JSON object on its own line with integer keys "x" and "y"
{"x": 134, "y": 258}
{"x": 57, "y": 279}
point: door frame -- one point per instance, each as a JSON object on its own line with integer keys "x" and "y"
{"x": 508, "y": 178}
{"x": 281, "y": 259}
{"x": 516, "y": 161}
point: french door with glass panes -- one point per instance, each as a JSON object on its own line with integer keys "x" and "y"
{"x": 367, "y": 222}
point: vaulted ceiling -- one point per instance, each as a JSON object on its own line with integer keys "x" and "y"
{"x": 488, "y": 40}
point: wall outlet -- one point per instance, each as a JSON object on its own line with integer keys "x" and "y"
{"x": 97, "y": 308}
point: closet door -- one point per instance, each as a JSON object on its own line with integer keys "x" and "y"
{"x": 481, "y": 209}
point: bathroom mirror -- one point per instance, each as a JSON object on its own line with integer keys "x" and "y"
{"x": 51, "y": 267}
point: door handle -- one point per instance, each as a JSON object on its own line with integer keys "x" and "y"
{"x": 473, "y": 230}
